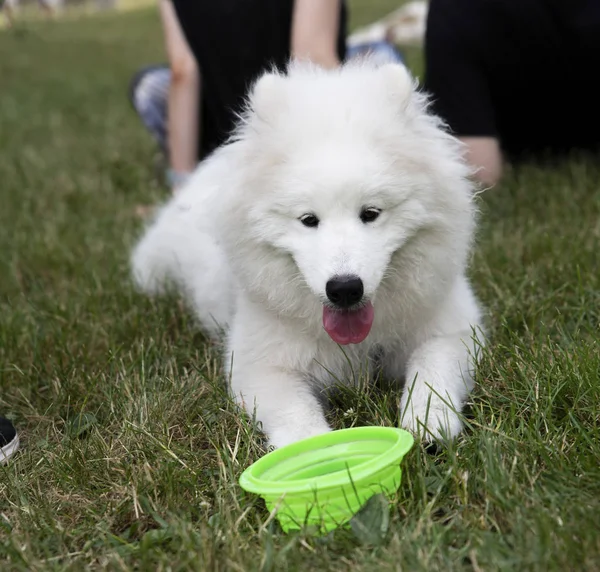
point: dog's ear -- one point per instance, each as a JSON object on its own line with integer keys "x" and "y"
{"x": 267, "y": 97}
{"x": 398, "y": 82}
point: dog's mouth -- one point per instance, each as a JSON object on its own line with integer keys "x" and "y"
{"x": 348, "y": 325}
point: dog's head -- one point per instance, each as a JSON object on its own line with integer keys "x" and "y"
{"x": 348, "y": 185}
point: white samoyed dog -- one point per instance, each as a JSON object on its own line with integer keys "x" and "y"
{"x": 333, "y": 231}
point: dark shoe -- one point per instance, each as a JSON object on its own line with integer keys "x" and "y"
{"x": 9, "y": 440}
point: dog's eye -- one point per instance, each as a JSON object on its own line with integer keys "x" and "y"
{"x": 369, "y": 214}
{"x": 309, "y": 220}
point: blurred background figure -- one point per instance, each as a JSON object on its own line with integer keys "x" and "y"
{"x": 515, "y": 80}
{"x": 10, "y": 8}
{"x": 216, "y": 50}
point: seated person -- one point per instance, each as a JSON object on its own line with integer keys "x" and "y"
{"x": 515, "y": 80}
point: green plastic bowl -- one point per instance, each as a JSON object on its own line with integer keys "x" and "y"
{"x": 324, "y": 480}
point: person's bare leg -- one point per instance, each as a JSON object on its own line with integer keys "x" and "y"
{"x": 484, "y": 154}
{"x": 184, "y": 98}
{"x": 315, "y": 30}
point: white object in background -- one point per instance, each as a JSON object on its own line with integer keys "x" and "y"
{"x": 404, "y": 26}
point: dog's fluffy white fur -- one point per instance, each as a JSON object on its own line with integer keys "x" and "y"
{"x": 330, "y": 144}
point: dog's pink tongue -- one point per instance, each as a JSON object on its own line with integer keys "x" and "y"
{"x": 348, "y": 326}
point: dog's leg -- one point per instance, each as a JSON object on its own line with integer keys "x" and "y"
{"x": 439, "y": 371}
{"x": 267, "y": 370}
{"x": 438, "y": 381}
{"x": 282, "y": 401}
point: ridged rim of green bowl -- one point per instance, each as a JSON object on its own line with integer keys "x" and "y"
{"x": 251, "y": 480}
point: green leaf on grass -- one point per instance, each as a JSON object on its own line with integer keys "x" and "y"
{"x": 80, "y": 424}
{"x": 370, "y": 524}
{"x": 155, "y": 537}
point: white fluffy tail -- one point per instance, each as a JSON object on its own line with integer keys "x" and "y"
{"x": 179, "y": 251}
{"x": 156, "y": 258}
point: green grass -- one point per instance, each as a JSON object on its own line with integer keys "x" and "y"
{"x": 150, "y": 482}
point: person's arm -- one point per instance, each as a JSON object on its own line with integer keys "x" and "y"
{"x": 184, "y": 98}
{"x": 456, "y": 82}
{"x": 315, "y": 28}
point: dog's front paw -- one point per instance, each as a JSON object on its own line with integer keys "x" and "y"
{"x": 283, "y": 436}
{"x": 433, "y": 420}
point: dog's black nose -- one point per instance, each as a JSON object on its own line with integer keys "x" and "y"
{"x": 345, "y": 291}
